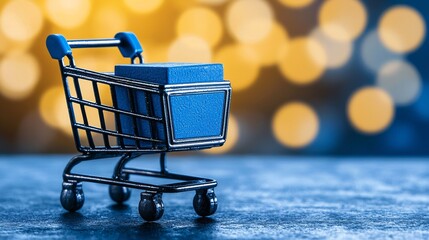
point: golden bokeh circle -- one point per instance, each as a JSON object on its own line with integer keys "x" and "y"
{"x": 68, "y": 14}
{"x": 241, "y": 65}
{"x": 156, "y": 52}
{"x": 342, "y": 20}
{"x": 212, "y": 2}
{"x": 295, "y": 125}
{"x": 143, "y": 6}
{"x": 19, "y": 75}
{"x": 231, "y": 140}
{"x": 402, "y": 29}
{"x": 53, "y": 109}
{"x": 370, "y": 110}
{"x": 296, "y": 3}
{"x": 21, "y": 20}
{"x": 337, "y": 53}
{"x": 401, "y": 80}
{"x": 249, "y": 21}
{"x": 109, "y": 20}
{"x": 268, "y": 48}
{"x": 190, "y": 48}
{"x": 202, "y": 22}
{"x": 304, "y": 61}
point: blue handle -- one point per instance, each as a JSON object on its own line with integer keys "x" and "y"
{"x": 58, "y": 46}
{"x": 130, "y": 46}
{"x": 127, "y": 43}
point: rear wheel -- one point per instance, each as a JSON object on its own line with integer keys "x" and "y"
{"x": 120, "y": 194}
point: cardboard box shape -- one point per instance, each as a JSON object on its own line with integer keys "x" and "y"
{"x": 193, "y": 115}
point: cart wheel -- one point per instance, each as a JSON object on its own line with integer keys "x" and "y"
{"x": 151, "y": 207}
{"x": 72, "y": 197}
{"x": 119, "y": 194}
{"x": 205, "y": 202}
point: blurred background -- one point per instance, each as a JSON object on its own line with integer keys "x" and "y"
{"x": 311, "y": 77}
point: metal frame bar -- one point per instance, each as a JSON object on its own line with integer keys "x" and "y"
{"x": 187, "y": 183}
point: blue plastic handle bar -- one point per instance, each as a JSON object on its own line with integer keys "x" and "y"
{"x": 127, "y": 42}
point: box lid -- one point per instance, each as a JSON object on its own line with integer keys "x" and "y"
{"x": 172, "y": 73}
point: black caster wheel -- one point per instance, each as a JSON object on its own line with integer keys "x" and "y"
{"x": 151, "y": 207}
{"x": 205, "y": 202}
{"x": 119, "y": 194}
{"x": 72, "y": 197}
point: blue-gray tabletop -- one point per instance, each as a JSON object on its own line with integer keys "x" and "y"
{"x": 259, "y": 197}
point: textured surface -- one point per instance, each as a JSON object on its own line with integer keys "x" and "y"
{"x": 259, "y": 197}
{"x": 198, "y": 115}
{"x": 172, "y": 73}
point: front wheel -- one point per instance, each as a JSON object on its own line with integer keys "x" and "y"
{"x": 72, "y": 197}
{"x": 205, "y": 202}
{"x": 151, "y": 207}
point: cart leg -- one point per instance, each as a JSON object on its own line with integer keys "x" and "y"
{"x": 151, "y": 207}
{"x": 72, "y": 197}
{"x": 205, "y": 202}
{"x": 118, "y": 193}
{"x": 162, "y": 163}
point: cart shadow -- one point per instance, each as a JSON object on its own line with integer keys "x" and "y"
{"x": 204, "y": 221}
{"x": 152, "y": 230}
{"x": 119, "y": 207}
{"x": 71, "y": 218}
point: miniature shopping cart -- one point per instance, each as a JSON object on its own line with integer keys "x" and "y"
{"x": 137, "y": 117}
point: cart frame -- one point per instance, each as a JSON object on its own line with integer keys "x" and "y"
{"x": 151, "y": 207}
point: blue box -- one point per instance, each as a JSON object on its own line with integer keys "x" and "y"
{"x": 195, "y": 115}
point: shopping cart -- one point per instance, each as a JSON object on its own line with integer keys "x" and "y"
{"x": 97, "y": 137}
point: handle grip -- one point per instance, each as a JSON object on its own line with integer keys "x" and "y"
{"x": 127, "y": 42}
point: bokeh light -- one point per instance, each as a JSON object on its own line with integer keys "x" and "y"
{"x": 374, "y": 55}
{"x": 99, "y": 62}
{"x": 156, "y": 52}
{"x": 212, "y": 2}
{"x": 68, "y": 14}
{"x": 189, "y": 48}
{"x": 21, "y": 20}
{"x": 268, "y": 48}
{"x": 53, "y": 109}
{"x": 108, "y": 20}
{"x": 402, "y": 29}
{"x": 232, "y": 138}
{"x": 7, "y": 44}
{"x": 337, "y": 53}
{"x": 295, "y": 125}
{"x": 19, "y": 74}
{"x": 241, "y": 65}
{"x": 143, "y": 6}
{"x": 202, "y": 22}
{"x": 401, "y": 80}
{"x": 370, "y": 110}
{"x": 249, "y": 21}
{"x": 304, "y": 61}
{"x": 296, "y": 3}
{"x": 342, "y": 20}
